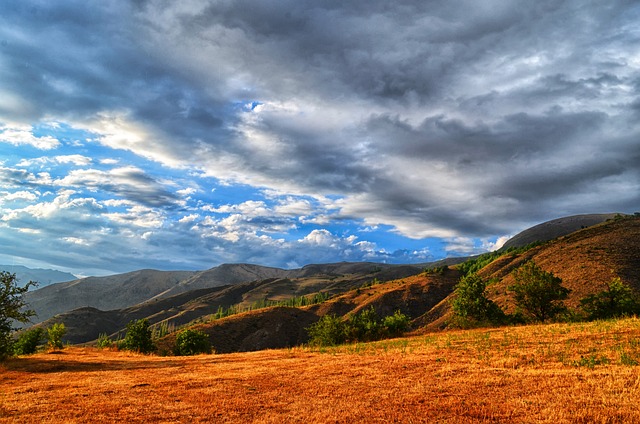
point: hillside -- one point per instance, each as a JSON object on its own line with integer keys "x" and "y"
{"x": 586, "y": 261}
{"x": 556, "y": 228}
{"x": 87, "y": 323}
{"x": 104, "y": 293}
{"x": 555, "y": 373}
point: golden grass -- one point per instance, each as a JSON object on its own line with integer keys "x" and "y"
{"x": 560, "y": 373}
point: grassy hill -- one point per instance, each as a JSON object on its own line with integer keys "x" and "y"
{"x": 556, "y": 373}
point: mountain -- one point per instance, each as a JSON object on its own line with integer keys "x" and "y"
{"x": 586, "y": 260}
{"x": 86, "y": 323}
{"x": 43, "y": 277}
{"x": 111, "y": 292}
{"x": 125, "y": 290}
{"x": 557, "y": 228}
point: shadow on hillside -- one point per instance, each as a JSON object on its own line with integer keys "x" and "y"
{"x": 60, "y": 363}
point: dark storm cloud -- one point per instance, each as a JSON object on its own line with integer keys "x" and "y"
{"x": 462, "y": 117}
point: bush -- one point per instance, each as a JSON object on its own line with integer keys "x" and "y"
{"x": 328, "y": 331}
{"x": 138, "y": 337}
{"x": 104, "y": 342}
{"x": 364, "y": 327}
{"x": 471, "y": 306}
{"x": 12, "y": 309}
{"x": 29, "y": 341}
{"x": 55, "y": 333}
{"x": 617, "y": 300}
{"x": 539, "y": 294}
{"x": 192, "y": 342}
{"x": 396, "y": 324}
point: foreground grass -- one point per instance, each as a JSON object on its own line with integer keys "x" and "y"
{"x": 561, "y": 373}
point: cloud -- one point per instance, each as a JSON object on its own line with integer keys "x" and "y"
{"x": 127, "y": 182}
{"x": 24, "y": 136}
{"x": 459, "y": 120}
{"x": 78, "y": 160}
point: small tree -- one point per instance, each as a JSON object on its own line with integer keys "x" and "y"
{"x": 192, "y": 342}
{"x": 396, "y": 324}
{"x": 327, "y": 331}
{"x": 538, "y": 294}
{"x": 12, "y": 306}
{"x": 617, "y": 300}
{"x": 471, "y": 305}
{"x": 29, "y": 341}
{"x": 55, "y": 333}
{"x": 104, "y": 342}
{"x": 138, "y": 337}
{"x": 364, "y": 327}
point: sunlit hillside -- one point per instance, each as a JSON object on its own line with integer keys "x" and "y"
{"x": 557, "y": 373}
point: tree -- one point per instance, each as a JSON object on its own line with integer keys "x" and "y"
{"x": 192, "y": 342}
{"x": 327, "y": 331}
{"x": 28, "y": 341}
{"x": 12, "y": 306}
{"x": 538, "y": 294}
{"x": 364, "y": 327}
{"x": 617, "y": 300}
{"x": 396, "y": 324}
{"x": 138, "y": 337}
{"x": 55, "y": 333}
{"x": 471, "y": 305}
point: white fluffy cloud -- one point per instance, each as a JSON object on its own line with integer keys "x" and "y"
{"x": 241, "y": 127}
{"x": 24, "y": 136}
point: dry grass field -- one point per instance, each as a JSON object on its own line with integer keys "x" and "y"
{"x": 559, "y": 373}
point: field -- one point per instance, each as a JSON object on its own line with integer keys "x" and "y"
{"x": 559, "y": 373}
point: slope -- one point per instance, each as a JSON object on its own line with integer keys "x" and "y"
{"x": 586, "y": 261}
{"x": 86, "y": 323}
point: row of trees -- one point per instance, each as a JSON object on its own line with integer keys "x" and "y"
{"x": 539, "y": 296}
{"x": 365, "y": 326}
{"x": 139, "y": 338}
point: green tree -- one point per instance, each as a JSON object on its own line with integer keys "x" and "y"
{"x": 538, "y": 294}
{"x": 28, "y": 341}
{"x": 617, "y": 300}
{"x": 396, "y": 324}
{"x": 138, "y": 337}
{"x": 12, "y": 310}
{"x": 471, "y": 305}
{"x": 364, "y": 327}
{"x": 192, "y": 342}
{"x": 55, "y": 333}
{"x": 327, "y": 331}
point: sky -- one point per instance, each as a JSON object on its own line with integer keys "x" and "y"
{"x": 183, "y": 135}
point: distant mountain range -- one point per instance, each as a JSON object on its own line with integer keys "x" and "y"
{"x": 584, "y": 250}
{"x": 43, "y": 277}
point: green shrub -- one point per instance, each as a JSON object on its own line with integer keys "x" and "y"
{"x": 617, "y": 300}
{"x": 539, "y": 294}
{"x": 471, "y": 306}
{"x": 396, "y": 324}
{"x": 104, "y": 342}
{"x": 55, "y": 333}
{"x": 192, "y": 342}
{"x": 29, "y": 341}
{"x": 327, "y": 331}
{"x": 138, "y": 337}
{"x": 364, "y": 327}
